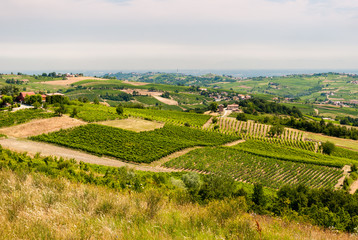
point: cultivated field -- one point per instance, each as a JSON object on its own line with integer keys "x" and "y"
{"x": 134, "y": 124}
{"x": 70, "y": 81}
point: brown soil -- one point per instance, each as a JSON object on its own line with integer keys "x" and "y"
{"x": 71, "y": 80}
{"x": 40, "y": 126}
{"x": 346, "y": 169}
{"x": 142, "y": 92}
{"x": 172, "y": 156}
{"x": 135, "y": 83}
{"x": 230, "y": 144}
{"x": 166, "y": 100}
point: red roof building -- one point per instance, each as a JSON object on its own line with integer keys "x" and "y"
{"x": 22, "y": 95}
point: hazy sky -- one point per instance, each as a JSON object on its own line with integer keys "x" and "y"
{"x": 59, "y": 35}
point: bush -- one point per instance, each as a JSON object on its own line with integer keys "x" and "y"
{"x": 328, "y": 147}
{"x": 241, "y": 117}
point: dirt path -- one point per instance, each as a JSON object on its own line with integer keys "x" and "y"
{"x": 207, "y": 124}
{"x": 31, "y": 147}
{"x": 234, "y": 143}
{"x": 172, "y": 156}
{"x": 346, "y": 169}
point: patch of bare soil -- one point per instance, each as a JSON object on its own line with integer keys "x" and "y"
{"x": 142, "y": 92}
{"x": 40, "y": 126}
{"x": 45, "y": 149}
{"x": 134, "y": 124}
{"x": 71, "y": 80}
{"x": 172, "y": 156}
{"x": 136, "y": 83}
{"x": 166, "y": 100}
{"x": 230, "y": 144}
{"x": 346, "y": 169}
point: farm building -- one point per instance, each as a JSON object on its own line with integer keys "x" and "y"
{"x": 233, "y": 107}
{"x": 22, "y": 95}
{"x": 221, "y": 108}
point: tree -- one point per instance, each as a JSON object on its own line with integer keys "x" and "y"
{"x": 213, "y": 106}
{"x": 96, "y": 101}
{"x": 165, "y": 95}
{"x": 328, "y": 147}
{"x": 74, "y": 112}
{"x": 258, "y": 196}
{"x": 36, "y": 105}
{"x": 276, "y": 129}
{"x": 119, "y": 109}
{"x": 241, "y": 117}
{"x": 60, "y": 110}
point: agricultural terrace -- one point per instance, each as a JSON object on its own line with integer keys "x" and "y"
{"x": 256, "y": 130}
{"x": 253, "y": 168}
{"x": 339, "y": 158}
{"x": 131, "y": 146}
{"x": 252, "y": 130}
{"x": 21, "y": 116}
{"x": 174, "y": 117}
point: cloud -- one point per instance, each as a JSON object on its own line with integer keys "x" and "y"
{"x": 190, "y": 32}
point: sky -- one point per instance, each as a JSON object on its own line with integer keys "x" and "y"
{"x": 118, "y": 35}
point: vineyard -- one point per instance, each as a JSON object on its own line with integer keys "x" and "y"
{"x": 131, "y": 146}
{"x": 95, "y": 112}
{"x": 277, "y": 151}
{"x": 252, "y": 168}
{"x": 252, "y": 130}
{"x": 173, "y": 117}
{"x": 21, "y": 116}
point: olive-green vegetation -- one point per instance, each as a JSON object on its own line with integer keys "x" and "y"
{"x": 193, "y": 119}
{"x": 270, "y": 171}
{"x": 131, "y": 146}
{"x": 21, "y": 116}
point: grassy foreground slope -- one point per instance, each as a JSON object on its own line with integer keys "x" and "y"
{"x": 33, "y": 206}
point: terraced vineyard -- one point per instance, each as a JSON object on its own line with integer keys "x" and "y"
{"x": 252, "y": 168}
{"x": 131, "y": 146}
{"x": 174, "y": 117}
{"x": 251, "y": 130}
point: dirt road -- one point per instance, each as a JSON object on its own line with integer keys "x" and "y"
{"x": 31, "y": 147}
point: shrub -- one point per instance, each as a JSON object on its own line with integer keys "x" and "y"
{"x": 328, "y": 147}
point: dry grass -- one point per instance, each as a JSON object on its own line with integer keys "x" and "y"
{"x": 40, "y": 126}
{"x": 136, "y": 83}
{"x": 134, "y": 124}
{"x": 346, "y": 143}
{"x": 70, "y": 81}
{"x": 37, "y": 207}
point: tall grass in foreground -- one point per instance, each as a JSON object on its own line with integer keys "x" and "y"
{"x": 33, "y": 206}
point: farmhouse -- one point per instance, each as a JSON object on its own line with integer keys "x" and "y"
{"x": 22, "y": 95}
{"x": 233, "y": 107}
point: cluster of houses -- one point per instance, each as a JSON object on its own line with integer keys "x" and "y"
{"x": 230, "y": 107}
{"x": 225, "y": 96}
{"x": 23, "y": 95}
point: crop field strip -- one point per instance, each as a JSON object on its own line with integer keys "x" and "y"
{"x": 173, "y": 117}
{"x": 21, "y": 116}
{"x": 251, "y": 168}
{"x": 130, "y": 146}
